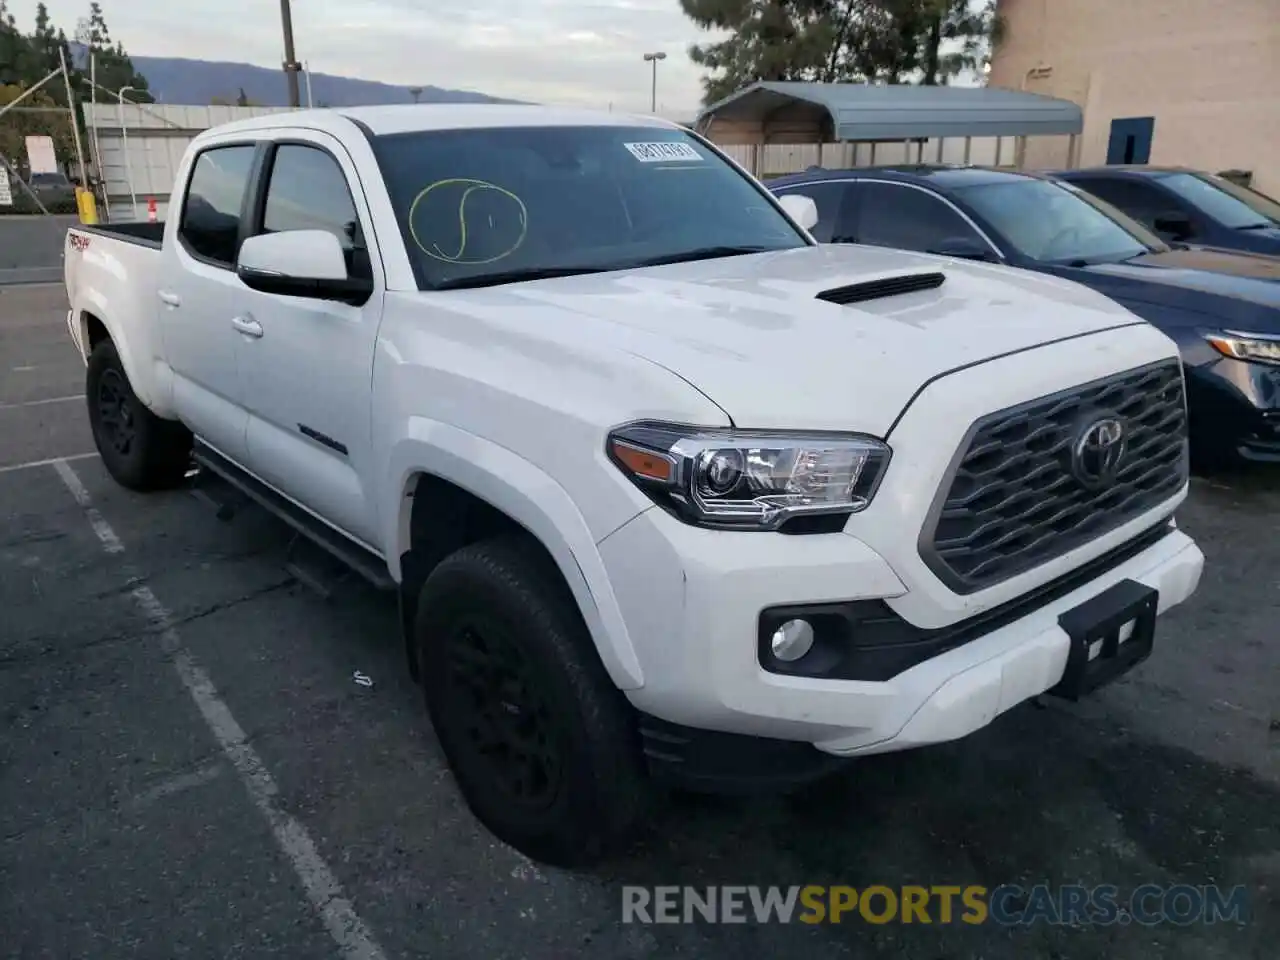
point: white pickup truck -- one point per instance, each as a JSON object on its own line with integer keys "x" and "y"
{"x": 666, "y": 489}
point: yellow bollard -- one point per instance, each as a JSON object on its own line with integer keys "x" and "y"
{"x": 87, "y": 206}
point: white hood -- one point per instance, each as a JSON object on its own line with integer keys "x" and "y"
{"x": 749, "y": 332}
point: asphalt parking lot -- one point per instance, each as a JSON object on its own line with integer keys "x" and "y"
{"x": 188, "y": 769}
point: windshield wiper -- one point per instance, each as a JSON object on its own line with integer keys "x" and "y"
{"x": 515, "y": 276}
{"x": 1260, "y": 225}
{"x": 702, "y": 253}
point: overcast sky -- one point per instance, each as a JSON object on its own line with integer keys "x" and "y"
{"x": 584, "y": 52}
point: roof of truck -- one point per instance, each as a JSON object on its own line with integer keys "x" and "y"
{"x": 413, "y": 117}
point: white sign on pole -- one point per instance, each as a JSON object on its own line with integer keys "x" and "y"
{"x": 40, "y": 155}
{"x": 6, "y": 195}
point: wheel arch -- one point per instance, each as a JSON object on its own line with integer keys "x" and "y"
{"x": 458, "y": 488}
{"x": 96, "y": 322}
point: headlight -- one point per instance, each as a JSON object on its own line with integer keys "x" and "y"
{"x": 745, "y": 479}
{"x": 1262, "y": 347}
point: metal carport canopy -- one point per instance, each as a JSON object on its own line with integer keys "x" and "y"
{"x": 864, "y": 112}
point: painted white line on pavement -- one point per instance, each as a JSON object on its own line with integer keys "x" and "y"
{"x": 110, "y": 542}
{"x": 39, "y": 403}
{"x": 45, "y": 463}
{"x": 348, "y": 931}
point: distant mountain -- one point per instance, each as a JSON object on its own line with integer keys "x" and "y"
{"x": 173, "y": 80}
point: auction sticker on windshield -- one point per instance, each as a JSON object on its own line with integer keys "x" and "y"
{"x": 659, "y": 152}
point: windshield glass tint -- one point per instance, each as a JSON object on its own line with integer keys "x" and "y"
{"x": 1048, "y": 222}
{"x": 1230, "y": 205}
{"x": 487, "y": 202}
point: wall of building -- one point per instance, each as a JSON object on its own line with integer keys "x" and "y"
{"x": 1207, "y": 70}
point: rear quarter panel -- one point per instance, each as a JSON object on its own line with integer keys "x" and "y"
{"x": 114, "y": 281}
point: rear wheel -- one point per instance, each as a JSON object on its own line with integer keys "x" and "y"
{"x": 540, "y": 740}
{"x": 140, "y": 450}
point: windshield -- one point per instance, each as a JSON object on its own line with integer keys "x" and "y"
{"x": 1232, "y": 206}
{"x": 493, "y": 205}
{"x": 1055, "y": 223}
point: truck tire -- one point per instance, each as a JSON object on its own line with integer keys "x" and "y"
{"x": 140, "y": 450}
{"x": 541, "y": 742}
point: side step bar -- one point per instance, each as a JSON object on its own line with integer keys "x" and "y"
{"x": 370, "y": 566}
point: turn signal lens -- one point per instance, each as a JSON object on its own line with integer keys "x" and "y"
{"x": 643, "y": 464}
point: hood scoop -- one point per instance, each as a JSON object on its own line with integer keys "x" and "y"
{"x": 883, "y": 287}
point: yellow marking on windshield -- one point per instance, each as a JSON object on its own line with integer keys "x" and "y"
{"x": 471, "y": 186}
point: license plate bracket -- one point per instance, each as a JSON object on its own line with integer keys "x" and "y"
{"x": 1100, "y": 620}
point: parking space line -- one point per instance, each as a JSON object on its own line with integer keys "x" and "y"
{"x": 110, "y": 542}
{"x": 40, "y": 403}
{"x": 354, "y": 940}
{"x": 45, "y": 463}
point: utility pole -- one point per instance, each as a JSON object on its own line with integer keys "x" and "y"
{"x": 653, "y": 58}
{"x": 291, "y": 65}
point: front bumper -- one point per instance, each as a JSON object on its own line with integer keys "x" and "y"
{"x": 1234, "y": 406}
{"x": 693, "y": 599}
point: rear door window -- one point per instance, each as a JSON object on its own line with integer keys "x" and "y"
{"x": 210, "y": 225}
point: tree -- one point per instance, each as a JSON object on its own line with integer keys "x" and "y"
{"x": 241, "y": 99}
{"x": 20, "y": 124}
{"x": 874, "y": 41}
{"x": 972, "y": 31}
{"x": 15, "y": 50}
{"x": 768, "y": 40}
{"x": 113, "y": 67}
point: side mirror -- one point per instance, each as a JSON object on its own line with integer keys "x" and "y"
{"x": 800, "y": 208}
{"x": 1173, "y": 225}
{"x": 963, "y": 248}
{"x": 300, "y": 263}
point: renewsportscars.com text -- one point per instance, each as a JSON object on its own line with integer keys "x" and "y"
{"x": 1007, "y": 905}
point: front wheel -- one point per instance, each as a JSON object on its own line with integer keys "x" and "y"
{"x": 140, "y": 450}
{"x": 541, "y": 742}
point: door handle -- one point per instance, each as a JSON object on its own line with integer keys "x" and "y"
{"x": 170, "y": 299}
{"x": 248, "y": 326}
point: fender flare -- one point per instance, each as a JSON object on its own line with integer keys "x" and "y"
{"x": 92, "y": 302}
{"x": 530, "y": 497}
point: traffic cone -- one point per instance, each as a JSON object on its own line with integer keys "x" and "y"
{"x": 151, "y": 210}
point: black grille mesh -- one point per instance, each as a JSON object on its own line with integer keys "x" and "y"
{"x": 1013, "y": 501}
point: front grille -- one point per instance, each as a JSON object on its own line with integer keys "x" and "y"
{"x": 1016, "y": 498}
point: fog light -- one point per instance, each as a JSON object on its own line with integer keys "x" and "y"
{"x": 792, "y": 640}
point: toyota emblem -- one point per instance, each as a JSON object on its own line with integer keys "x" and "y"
{"x": 1096, "y": 456}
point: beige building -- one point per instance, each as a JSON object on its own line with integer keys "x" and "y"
{"x": 1188, "y": 82}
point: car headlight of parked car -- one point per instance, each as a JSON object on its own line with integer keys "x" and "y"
{"x": 1261, "y": 347}
{"x": 751, "y": 480}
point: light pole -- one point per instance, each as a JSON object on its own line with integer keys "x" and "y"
{"x": 653, "y": 58}
{"x": 291, "y": 66}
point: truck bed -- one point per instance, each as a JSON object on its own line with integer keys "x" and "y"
{"x": 142, "y": 233}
